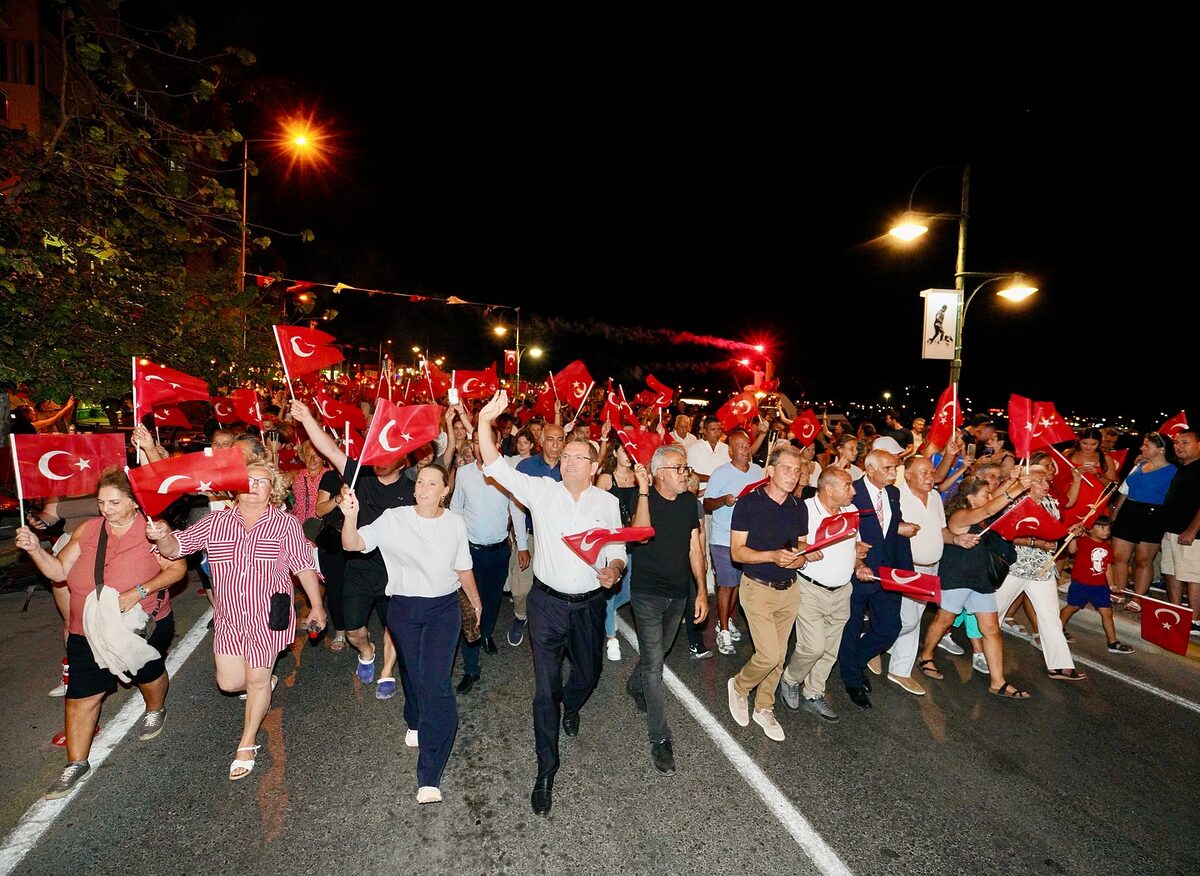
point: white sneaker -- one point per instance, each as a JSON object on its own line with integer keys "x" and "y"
{"x": 410, "y": 739}
{"x": 725, "y": 641}
{"x": 979, "y": 663}
{"x": 733, "y": 632}
{"x": 948, "y": 644}
{"x": 613, "y": 649}
{"x": 765, "y": 718}
{"x": 60, "y": 691}
{"x": 739, "y": 706}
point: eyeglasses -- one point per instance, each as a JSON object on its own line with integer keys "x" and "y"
{"x": 254, "y": 482}
{"x": 681, "y": 469}
{"x": 579, "y": 457}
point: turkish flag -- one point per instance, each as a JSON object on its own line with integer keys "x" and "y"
{"x": 1048, "y": 426}
{"x": 663, "y": 394}
{"x": 1175, "y": 425}
{"x": 352, "y": 443}
{"x": 395, "y": 432}
{"x": 947, "y": 417}
{"x": 573, "y": 383}
{"x": 1028, "y": 518}
{"x": 289, "y": 460}
{"x": 477, "y": 384}
{"x": 587, "y": 544}
{"x": 171, "y": 416}
{"x": 1118, "y": 457}
{"x": 544, "y": 405}
{"x": 611, "y": 412}
{"x": 918, "y": 585}
{"x": 155, "y": 385}
{"x": 157, "y": 484}
{"x": 834, "y": 528}
{"x": 1166, "y": 624}
{"x": 750, "y": 488}
{"x": 246, "y": 407}
{"x": 640, "y": 444}
{"x": 1063, "y": 479}
{"x": 53, "y": 464}
{"x": 1082, "y": 511}
{"x": 1020, "y": 424}
{"x": 626, "y": 408}
{"x": 223, "y": 410}
{"x": 336, "y": 414}
{"x": 806, "y": 427}
{"x": 738, "y": 411}
{"x": 510, "y": 361}
{"x": 304, "y": 350}
{"x": 437, "y": 380}
{"x": 645, "y": 398}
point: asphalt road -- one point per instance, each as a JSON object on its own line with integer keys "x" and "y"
{"x": 1101, "y": 776}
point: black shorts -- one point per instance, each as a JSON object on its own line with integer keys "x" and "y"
{"x": 363, "y": 589}
{"x": 87, "y": 679}
{"x": 1139, "y": 522}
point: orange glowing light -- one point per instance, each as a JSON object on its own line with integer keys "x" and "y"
{"x": 304, "y": 142}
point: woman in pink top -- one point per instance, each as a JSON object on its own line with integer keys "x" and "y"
{"x": 132, "y": 569}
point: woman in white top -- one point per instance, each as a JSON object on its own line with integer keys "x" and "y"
{"x": 428, "y": 559}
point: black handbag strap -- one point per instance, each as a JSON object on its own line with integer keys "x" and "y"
{"x": 101, "y": 555}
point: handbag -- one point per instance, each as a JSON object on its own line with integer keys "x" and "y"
{"x": 470, "y": 623}
{"x": 144, "y": 632}
{"x": 280, "y": 611}
{"x": 997, "y": 569}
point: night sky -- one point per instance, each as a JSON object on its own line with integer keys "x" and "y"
{"x": 621, "y": 191}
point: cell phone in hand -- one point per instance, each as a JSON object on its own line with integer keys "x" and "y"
{"x": 452, "y": 396}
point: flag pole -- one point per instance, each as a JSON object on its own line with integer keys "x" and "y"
{"x": 286, "y": 376}
{"x": 133, "y": 365}
{"x": 12, "y": 443}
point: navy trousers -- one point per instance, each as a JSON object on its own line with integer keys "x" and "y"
{"x": 856, "y": 649}
{"x": 491, "y": 570}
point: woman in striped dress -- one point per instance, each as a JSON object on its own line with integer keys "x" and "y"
{"x": 253, "y": 548}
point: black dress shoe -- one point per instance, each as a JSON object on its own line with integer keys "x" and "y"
{"x": 468, "y": 682}
{"x": 858, "y": 696}
{"x": 663, "y": 756}
{"x": 570, "y": 723}
{"x": 489, "y": 645}
{"x": 542, "y": 797}
{"x": 639, "y": 698}
{"x": 866, "y": 683}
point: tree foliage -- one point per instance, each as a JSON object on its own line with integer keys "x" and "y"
{"x": 119, "y": 231}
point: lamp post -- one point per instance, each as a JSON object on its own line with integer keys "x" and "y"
{"x": 536, "y": 352}
{"x": 1018, "y": 291}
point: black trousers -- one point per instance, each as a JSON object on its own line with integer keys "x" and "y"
{"x": 558, "y": 628}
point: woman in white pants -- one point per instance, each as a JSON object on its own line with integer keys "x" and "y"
{"x": 1033, "y": 574}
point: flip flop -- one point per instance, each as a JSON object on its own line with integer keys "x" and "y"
{"x": 1009, "y": 692}
{"x": 1133, "y": 606}
{"x": 930, "y": 669}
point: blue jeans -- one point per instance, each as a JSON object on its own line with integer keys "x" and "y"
{"x": 619, "y": 597}
{"x": 426, "y": 632}
{"x": 657, "y": 619}
{"x": 491, "y": 568}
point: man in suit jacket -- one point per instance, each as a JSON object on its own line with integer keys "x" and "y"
{"x": 888, "y": 535}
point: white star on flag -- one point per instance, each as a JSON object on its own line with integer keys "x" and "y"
{"x": 205, "y": 487}
{"x": 406, "y": 436}
{"x": 82, "y": 463}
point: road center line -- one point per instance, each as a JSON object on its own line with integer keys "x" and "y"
{"x": 38, "y": 817}
{"x": 805, "y": 835}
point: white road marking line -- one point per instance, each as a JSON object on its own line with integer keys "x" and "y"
{"x": 1121, "y": 676}
{"x": 805, "y": 835}
{"x": 38, "y": 817}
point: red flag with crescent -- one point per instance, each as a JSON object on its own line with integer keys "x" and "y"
{"x": 806, "y": 427}
{"x": 947, "y": 417}
{"x": 1166, "y": 624}
{"x": 476, "y": 384}
{"x": 437, "y": 380}
{"x": 1118, "y": 457}
{"x": 1020, "y": 424}
{"x": 751, "y": 487}
{"x": 640, "y": 444}
{"x": 543, "y": 406}
{"x": 918, "y": 585}
{"x": 611, "y": 412}
{"x": 738, "y": 411}
{"x": 305, "y": 350}
{"x": 587, "y": 544}
{"x": 1026, "y": 519}
{"x": 246, "y": 407}
{"x": 289, "y": 459}
{"x": 157, "y": 484}
{"x": 52, "y": 464}
{"x": 395, "y": 432}
{"x": 336, "y": 414}
{"x": 156, "y": 385}
{"x": 663, "y": 394}
{"x": 1048, "y": 426}
{"x": 572, "y": 384}
{"x": 223, "y": 410}
{"x": 510, "y": 361}
{"x": 169, "y": 415}
{"x": 834, "y": 528}
{"x": 1175, "y": 425}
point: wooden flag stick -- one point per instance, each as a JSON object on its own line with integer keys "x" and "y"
{"x": 1050, "y": 562}
{"x": 133, "y": 362}
{"x": 12, "y": 443}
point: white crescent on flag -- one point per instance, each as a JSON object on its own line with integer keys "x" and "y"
{"x": 467, "y": 387}
{"x": 296, "y": 348}
{"x": 44, "y": 465}
{"x": 321, "y": 407}
{"x": 1174, "y": 616}
{"x": 843, "y": 523}
{"x": 257, "y": 412}
{"x": 1031, "y": 520}
{"x": 589, "y": 541}
{"x": 807, "y": 429}
{"x": 946, "y": 412}
{"x": 741, "y": 407}
{"x": 901, "y": 578}
{"x": 578, "y": 388}
{"x": 383, "y": 437}
{"x": 154, "y": 377}
{"x": 162, "y": 414}
{"x": 167, "y": 481}
{"x": 222, "y": 411}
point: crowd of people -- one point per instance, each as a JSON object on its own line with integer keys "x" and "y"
{"x": 432, "y": 543}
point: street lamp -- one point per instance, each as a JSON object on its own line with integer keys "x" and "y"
{"x": 1018, "y": 290}
{"x": 535, "y": 352}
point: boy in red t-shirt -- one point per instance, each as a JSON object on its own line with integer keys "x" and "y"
{"x": 1091, "y": 577}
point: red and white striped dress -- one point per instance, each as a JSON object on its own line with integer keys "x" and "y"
{"x": 248, "y": 565}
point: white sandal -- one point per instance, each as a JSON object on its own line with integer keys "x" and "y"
{"x": 246, "y": 764}
{"x": 274, "y": 684}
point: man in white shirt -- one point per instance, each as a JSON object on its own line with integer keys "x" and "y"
{"x": 681, "y": 432}
{"x": 708, "y": 455}
{"x": 566, "y": 605}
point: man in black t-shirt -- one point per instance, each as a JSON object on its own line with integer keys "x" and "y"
{"x": 1181, "y": 522}
{"x": 665, "y": 567}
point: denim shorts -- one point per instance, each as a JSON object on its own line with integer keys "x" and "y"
{"x": 964, "y": 599}
{"x": 723, "y": 570}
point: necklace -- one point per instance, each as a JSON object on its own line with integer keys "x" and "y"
{"x": 427, "y": 527}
